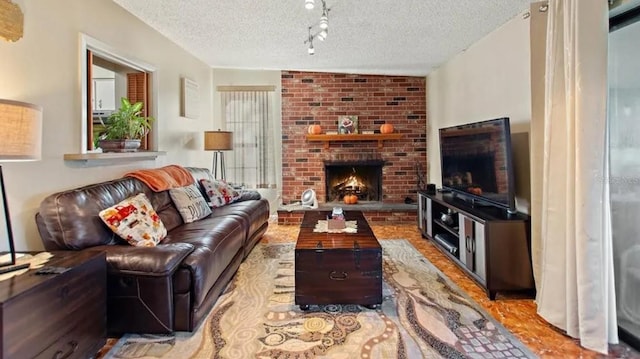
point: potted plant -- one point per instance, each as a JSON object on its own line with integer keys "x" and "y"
{"x": 125, "y": 128}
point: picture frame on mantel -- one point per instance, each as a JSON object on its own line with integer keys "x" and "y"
{"x": 189, "y": 99}
{"x": 347, "y": 124}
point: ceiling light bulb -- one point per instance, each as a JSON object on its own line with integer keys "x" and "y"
{"x": 311, "y": 50}
{"x": 322, "y": 35}
{"x": 324, "y": 22}
{"x": 309, "y": 4}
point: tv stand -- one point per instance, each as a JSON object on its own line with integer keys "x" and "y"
{"x": 489, "y": 244}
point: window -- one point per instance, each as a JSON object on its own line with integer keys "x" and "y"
{"x": 624, "y": 168}
{"x": 107, "y": 77}
{"x": 248, "y": 113}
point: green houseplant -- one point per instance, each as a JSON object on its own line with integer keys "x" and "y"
{"x": 125, "y": 128}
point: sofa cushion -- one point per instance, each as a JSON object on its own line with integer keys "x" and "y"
{"x": 253, "y": 214}
{"x": 216, "y": 242}
{"x": 190, "y": 203}
{"x": 219, "y": 192}
{"x": 135, "y": 221}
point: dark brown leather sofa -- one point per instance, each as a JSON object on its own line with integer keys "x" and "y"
{"x": 170, "y": 287}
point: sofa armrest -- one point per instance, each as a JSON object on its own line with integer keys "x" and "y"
{"x": 158, "y": 261}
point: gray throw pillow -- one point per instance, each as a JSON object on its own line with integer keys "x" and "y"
{"x": 190, "y": 203}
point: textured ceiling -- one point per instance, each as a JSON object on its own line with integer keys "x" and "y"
{"x": 406, "y": 37}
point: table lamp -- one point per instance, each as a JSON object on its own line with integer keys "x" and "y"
{"x": 20, "y": 140}
{"x": 218, "y": 141}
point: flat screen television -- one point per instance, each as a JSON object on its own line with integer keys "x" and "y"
{"x": 476, "y": 162}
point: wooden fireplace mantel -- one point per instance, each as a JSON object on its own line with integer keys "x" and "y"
{"x": 380, "y": 137}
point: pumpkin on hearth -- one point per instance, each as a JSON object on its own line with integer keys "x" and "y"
{"x": 315, "y": 130}
{"x": 386, "y": 128}
{"x": 350, "y": 199}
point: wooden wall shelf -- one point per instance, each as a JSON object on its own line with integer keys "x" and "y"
{"x": 380, "y": 137}
{"x": 114, "y": 156}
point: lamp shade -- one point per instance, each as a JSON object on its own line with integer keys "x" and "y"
{"x": 218, "y": 140}
{"x": 20, "y": 131}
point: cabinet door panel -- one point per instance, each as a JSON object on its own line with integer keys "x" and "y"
{"x": 429, "y": 211}
{"x": 479, "y": 242}
{"x": 105, "y": 94}
{"x": 422, "y": 212}
{"x": 469, "y": 240}
{"x": 466, "y": 233}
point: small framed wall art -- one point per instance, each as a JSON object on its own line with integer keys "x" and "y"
{"x": 189, "y": 101}
{"x": 347, "y": 124}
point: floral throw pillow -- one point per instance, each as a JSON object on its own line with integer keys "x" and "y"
{"x": 219, "y": 192}
{"x": 135, "y": 220}
{"x": 190, "y": 203}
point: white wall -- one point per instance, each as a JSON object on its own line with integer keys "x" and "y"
{"x": 488, "y": 80}
{"x": 237, "y": 77}
{"x": 43, "y": 68}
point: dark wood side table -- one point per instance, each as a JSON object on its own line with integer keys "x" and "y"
{"x": 56, "y": 315}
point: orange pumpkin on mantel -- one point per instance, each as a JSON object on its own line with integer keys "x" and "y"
{"x": 315, "y": 130}
{"x": 350, "y": 199}
{"x": 386, "y": 128}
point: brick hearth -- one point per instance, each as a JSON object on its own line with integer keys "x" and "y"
{"x": 378, "y": 214}
{"x": 319, "y": 98}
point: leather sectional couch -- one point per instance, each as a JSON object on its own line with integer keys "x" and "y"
{"x": 169, "y": 287}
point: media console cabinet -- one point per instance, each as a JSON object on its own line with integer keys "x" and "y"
{"x": 490, "y": 245}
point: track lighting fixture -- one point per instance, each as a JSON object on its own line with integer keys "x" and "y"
{"x": 323, "y": 24}
{"x": 309, "y": 4}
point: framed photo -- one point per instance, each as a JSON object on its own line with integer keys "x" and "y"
{"x": 347, "y": 124}
{"x": 189, "y": 101}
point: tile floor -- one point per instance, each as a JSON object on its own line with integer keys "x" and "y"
{"x": 516, "y": 314}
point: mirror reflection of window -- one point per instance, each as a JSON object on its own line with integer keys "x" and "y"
{"x": 108, "y": 82}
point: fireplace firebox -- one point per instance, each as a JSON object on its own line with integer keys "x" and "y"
{"x": 362, "y": 178}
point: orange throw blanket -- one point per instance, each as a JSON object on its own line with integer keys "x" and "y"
{"x": 163, "y": 178}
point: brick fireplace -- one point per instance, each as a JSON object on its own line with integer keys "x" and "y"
{"x": 310, "y": 98}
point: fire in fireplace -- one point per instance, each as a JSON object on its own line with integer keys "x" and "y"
{"x": 362, "y": 178}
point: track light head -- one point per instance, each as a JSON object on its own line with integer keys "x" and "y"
{"x": 309, "y": 4}
{"x": 322, "y": 35}
{"x": 310, "y": 50}
{"x": 324, "y": 22}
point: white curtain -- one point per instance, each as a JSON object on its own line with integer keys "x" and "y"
{"x": 575, "y": 285}
{"x": 249, "y": 115}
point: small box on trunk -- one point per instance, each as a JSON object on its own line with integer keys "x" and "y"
{"x": 336, "y": 224}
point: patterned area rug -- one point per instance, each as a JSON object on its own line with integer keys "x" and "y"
{"x": 423, "y": 315}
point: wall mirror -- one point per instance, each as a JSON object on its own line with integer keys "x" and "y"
{"x": 107, "y": 76}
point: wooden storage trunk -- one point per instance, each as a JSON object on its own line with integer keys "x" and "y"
{"x": 338, "y": 276}
{"x": 340, "y": 268}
